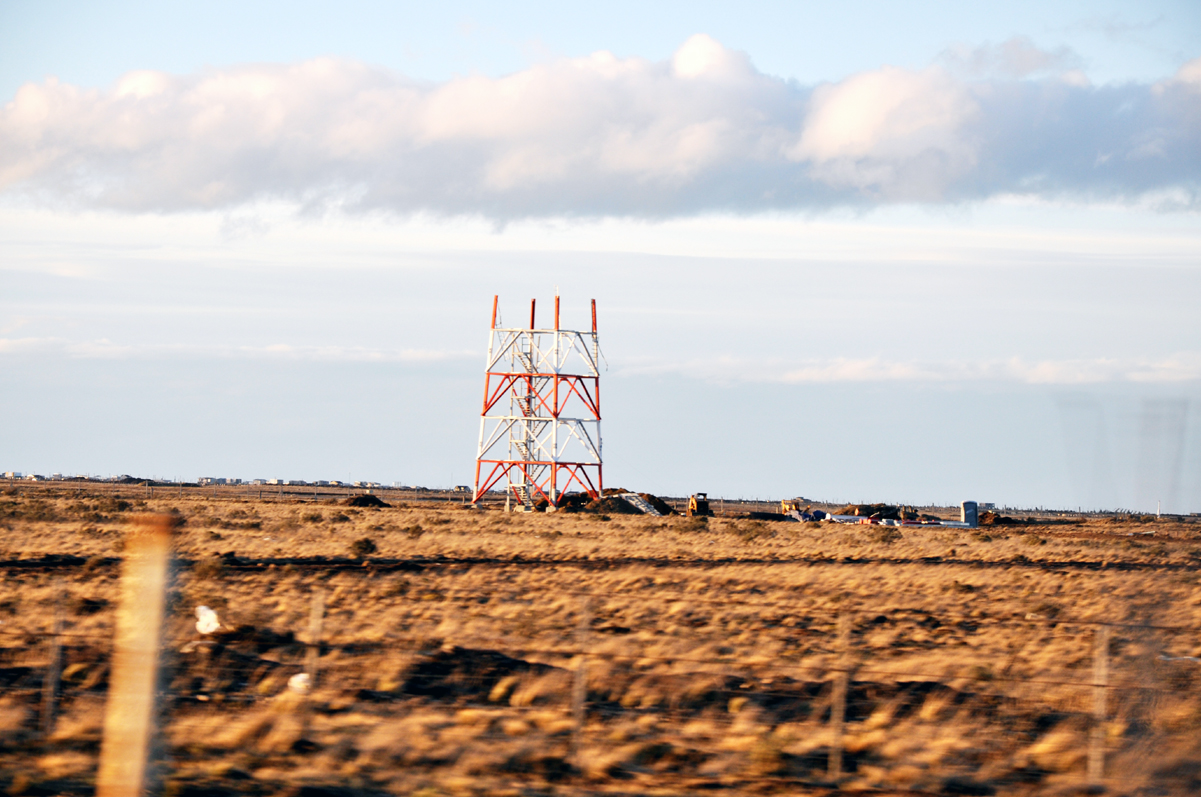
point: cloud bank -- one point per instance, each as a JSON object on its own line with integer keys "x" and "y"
{"x": 1180, "y": 367}
{"x": 601, "y": 136}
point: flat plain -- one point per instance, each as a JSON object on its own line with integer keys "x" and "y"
{"x": 471, "y": 652}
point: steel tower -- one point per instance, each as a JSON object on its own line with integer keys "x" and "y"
{"x": 540, "y": 426}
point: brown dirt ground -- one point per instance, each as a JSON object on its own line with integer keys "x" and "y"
{"x": 450, "y": 652}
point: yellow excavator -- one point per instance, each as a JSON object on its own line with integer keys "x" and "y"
{"x": 698, "y": 505}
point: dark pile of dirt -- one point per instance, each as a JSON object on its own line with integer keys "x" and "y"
{"x": 568, "y": 502}
{"x": 658, "y": 503}
{"x": 365, "y": 501}
{"x": 766, "y": 516}
{"x": 459, "y": 673}
{"x": 612, "y": 505}
{"x": 993, "y": 519}
{"x": 879, "y": 511}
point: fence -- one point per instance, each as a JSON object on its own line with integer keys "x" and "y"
{"x": 570, "y": 696}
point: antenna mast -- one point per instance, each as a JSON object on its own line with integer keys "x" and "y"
{"x": 540, "y": 426}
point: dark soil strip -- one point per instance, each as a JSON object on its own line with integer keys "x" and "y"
{"x": 324, "y": 564}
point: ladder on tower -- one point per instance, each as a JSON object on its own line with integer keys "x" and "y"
{"x": 523, "y": 492}
{"x": 638, "y": 502}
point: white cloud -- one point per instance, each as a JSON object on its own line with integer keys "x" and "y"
{"x": 704, "y": 56}
{"x": 104, "y": 349}
{"x": 1187, "y": 76}
{"x": 1183, "y": 367}
{"x": 1016, "y": 57}
{"x": 892, "y": 131}
{"x": 597, "y": 136}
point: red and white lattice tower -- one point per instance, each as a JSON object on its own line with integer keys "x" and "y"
{"x": 540, "y": 427}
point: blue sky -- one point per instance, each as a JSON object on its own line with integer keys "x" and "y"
{"x": 908, "y": 252}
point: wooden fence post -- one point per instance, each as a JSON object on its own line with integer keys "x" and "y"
{"x": 579, "y": 692}
{"x": 1096, "y": 740}
{"x": 131, "y": 712}
{"x": 316, "y": 618}
{"x": 838, "y": 705}
{"x": 54, "y": 669}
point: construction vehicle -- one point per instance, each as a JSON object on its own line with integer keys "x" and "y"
{"x": 793, "y": 505}
{"x": 698, "y": 505}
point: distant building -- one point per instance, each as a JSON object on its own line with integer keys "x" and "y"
{"x": 14, "y": 474}
{"x": 462, "y": 488}
{"x": 335, "y": 483}
{"x": 275, "y": 481}
{"x": 33, "y": 477}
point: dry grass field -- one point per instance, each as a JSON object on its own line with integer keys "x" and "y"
{"x": 453, "y": 638}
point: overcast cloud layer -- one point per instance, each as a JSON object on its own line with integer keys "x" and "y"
{"x": 606, "y": 136}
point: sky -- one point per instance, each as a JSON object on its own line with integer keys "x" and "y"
{"x": 907, "y": 252}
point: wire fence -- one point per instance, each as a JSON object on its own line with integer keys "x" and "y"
{"x": 669, "y": 696}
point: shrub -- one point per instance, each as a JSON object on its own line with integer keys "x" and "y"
{"x": 982, "y": 672}
{"x": 885, "y": 534}
{"x": 362, "y": 547}
{"x": 210, "y": 567}
{"x": 750, "y": 531}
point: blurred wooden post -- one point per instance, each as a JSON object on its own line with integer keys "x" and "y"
{"x": 54, "y": 669}
{"x": 1096, "y": 740}
{"x": 838, "y": 704}
{"x": 131, "y": 713}
{"x": 316, "y": 617}
{"x": 579, "y": 692}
